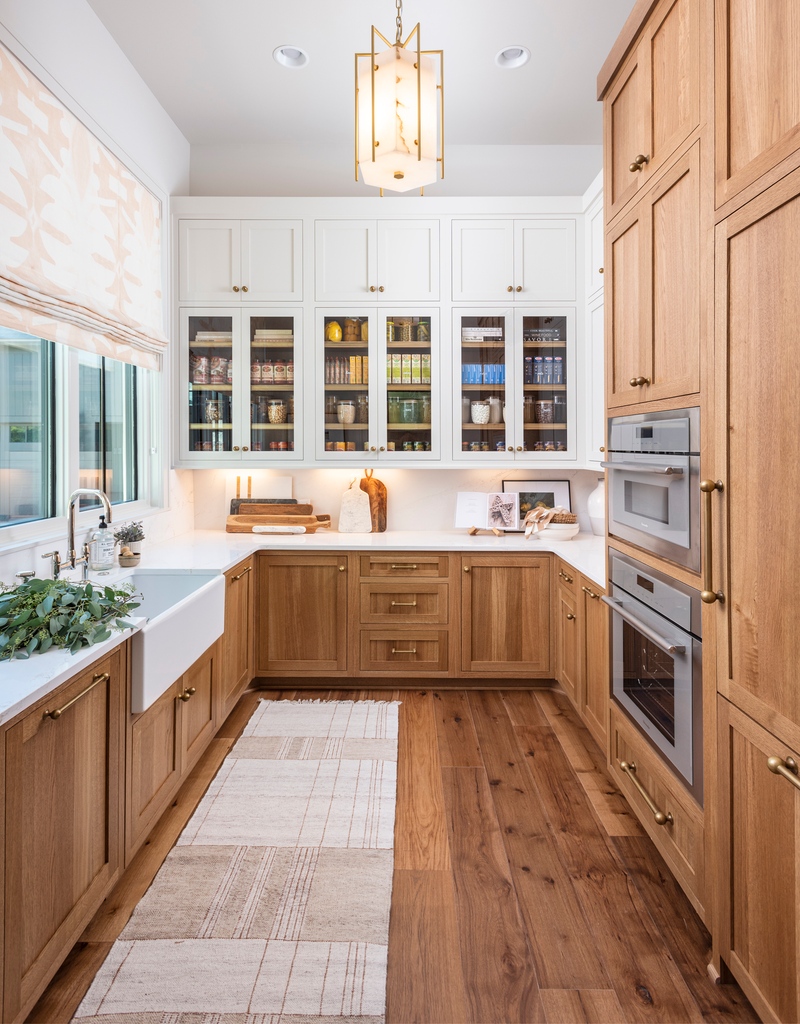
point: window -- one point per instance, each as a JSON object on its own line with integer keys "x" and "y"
{"x": 71, "y": 419}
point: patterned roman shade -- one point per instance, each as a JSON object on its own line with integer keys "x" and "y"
{"x": 80, "y": 236}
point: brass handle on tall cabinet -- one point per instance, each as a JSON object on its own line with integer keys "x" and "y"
{"x": 58, "y": 712}
{"x": 570, "y": 616}
{"x": 591, "y": 593}
{"x": 188, "y": 693}
{"x": 787, "y": 767}
{"x": 638, "y": 162}
{"x": 630, "y": 769}
{"x": 708, "y": 594}
{"x": 638, "y": 382}
{"x": 244, "y": 572}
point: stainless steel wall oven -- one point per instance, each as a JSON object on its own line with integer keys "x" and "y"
{"x": 656, "y": 644}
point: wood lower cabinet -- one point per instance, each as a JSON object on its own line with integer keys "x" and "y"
{"x": 301, "y": 613}
{"x": 595, "y": 693}
{"x": 164, "y": 743}
{"x": 505, "y": 616}
{"x": 63, "y": 823}
{"x": 568, "y": 642}
{"x": 759, "y": 864}
{"x": 236, "y": 669}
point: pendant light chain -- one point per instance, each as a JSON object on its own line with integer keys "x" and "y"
{"x": 399, "y": 22}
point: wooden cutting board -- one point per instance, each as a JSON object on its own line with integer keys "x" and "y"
{"x": 254, "y": 509}
{"x": 245, "y": 524}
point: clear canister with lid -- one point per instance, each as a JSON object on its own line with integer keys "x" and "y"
{"x": 276, "y": 410}
{"x": 479, "y": 411}
{"x": 346, "y": 411}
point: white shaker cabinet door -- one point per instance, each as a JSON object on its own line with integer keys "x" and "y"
{"x": 272, "y": 260}
{"x": 483, "y": 260}
{"x": 210, "y": 262}
{"x": 408, "y": 260}
{"x": 345, "y": 256}
{"x": 544, "y": 261}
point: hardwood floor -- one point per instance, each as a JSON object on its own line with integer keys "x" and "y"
{"x": 524, "y": 888}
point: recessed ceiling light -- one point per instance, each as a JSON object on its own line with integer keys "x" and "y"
{"x": 292, "y": 57}
{"x": 512, "y": 57}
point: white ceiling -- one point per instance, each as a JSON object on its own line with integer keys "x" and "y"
{"x": 209, "y": 63}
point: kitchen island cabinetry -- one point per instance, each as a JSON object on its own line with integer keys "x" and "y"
{"x": 236, "y": 661}
{"x": 505, "y": 616}
{"x": 383, "y": 260}
{"x": 224, "y": 261}
{"x": 63, "y": 823}
{"x": 301, "y": 613}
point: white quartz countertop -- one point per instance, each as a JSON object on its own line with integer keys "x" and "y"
{"x": 23, "y": 682}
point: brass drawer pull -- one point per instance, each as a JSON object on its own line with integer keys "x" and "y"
{"x": 638, "y": 163}
{"x": 591, "y": 593}
{"x": 58, "y": 712}
{"x": 564, "y": 576}
{"x": 660, "y": 817}
{"x": 396, "y": 650}
{"x": 787, "y": 767}
{"x": 244, "y": 572}
{"x": 404, "y": 604}
{"x": 188, "y": 693}
{"x": 708, "y": 594}
{"x": 403, "y": 565}
{"x": 570, "y": 616}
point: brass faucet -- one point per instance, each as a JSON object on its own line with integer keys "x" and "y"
{"x": 72, "y": 562}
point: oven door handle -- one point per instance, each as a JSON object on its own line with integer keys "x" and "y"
{"x": 644, "y": 468}
{"x": 667, "y": 646}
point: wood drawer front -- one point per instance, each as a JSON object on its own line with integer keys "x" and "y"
{"x": 404, "y": 653}
{"x": 403, "y": 566}
{"x": 566, "y": 576}
{"x": 681, "y": 841}
{"x": 405, "y": 602}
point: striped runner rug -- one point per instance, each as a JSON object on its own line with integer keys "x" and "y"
{"x": 273, "y": 906}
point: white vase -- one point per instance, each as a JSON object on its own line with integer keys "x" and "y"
{"x": 596, "y": 507}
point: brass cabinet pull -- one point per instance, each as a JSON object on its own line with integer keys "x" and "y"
{"x": 188, "y": 693}
{"x": 342, "y": 568}
{"x": 404, "y": 604}
{"x": 245, "y": 448}
{"x": 381, "y": 288}
{"x": 787, "y": 767}
{"x": 630, "y": 768}
{"x": 403, "y": 565}
{"x": 467, "y": 568}
{"x": 244, "y": 572}
{"x": 245, "y": 288}
{"x": 564, "y": 576}
{"x": 372, "y": 288}
{"x": 601, "y": 270}
{"x": 591, "y": 593}
{"x": 236, "y": 447}
{"x": 236, "y": 287}
{"x": 519, "y": 288}
{"x": 570, "y": 616}
{"x": 638, "y": 163}
{"x": 396, "y": 650}
{"x": 638, "y": 382}
{"x": 708, "y": 594}
{"x": 373, "y": 449}
{"x": 510, "y": 288}
{"x": 58, "y": 712}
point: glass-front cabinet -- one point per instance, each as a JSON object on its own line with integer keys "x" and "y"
{"x": 514, "y": 384}
{"x": 380, "y": 385}
{"x": 238, "y": 378}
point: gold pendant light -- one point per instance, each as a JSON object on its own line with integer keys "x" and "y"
{"x": 399, "y": 136}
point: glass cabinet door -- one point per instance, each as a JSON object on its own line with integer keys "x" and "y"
{"x": 271, "y": 373}
{"x": 346, "y": 414}
{"x": 545, "y": 386}
{"x": 483, "y": 346}
{"x": 411, "y": 387}
{"x": 210, "y": 383}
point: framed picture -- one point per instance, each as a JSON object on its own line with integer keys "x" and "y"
{"x": 548, "y": 493}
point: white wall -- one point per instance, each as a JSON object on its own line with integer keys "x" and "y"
{"x": 285, "y": 169}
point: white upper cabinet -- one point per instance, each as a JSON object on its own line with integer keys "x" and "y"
{"x": 247, "y": 260}
{"x": 524, "y": 260}
{"x": 384, "y": 260}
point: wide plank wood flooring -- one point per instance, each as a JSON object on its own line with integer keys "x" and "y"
{"x": 524, "y": 887}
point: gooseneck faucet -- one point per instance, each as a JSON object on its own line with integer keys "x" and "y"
{"x": 72, "y": 561}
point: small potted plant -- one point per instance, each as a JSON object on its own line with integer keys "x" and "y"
{"x": 130, "y": 537}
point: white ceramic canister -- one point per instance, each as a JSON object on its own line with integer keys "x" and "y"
{"x": 596, "y": 507}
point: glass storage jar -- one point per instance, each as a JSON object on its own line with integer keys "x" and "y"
{"x": 393, "y": 411}
{"x": 410, "y": 410}
{"x": 479, "y": 411}
{"x": 346, "y": 411}
{"x": 276, "y": 410}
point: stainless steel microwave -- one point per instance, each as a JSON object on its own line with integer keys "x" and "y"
{"x": 654, "y": 483}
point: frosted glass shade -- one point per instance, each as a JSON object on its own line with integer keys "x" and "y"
{"x": 397, "y": 120}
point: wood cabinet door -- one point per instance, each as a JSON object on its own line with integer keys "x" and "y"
{"x": 757, "y": 382}
{"x": 209, "y": 261}
{"x": 626, "y": 136}
{"x": 544, "y": 261}
{"x": 757, "y": 92}
{"x": 408, "y": 260}
{"x": 236, "y": 662}
{"x": 272, "y": 260}
{"x": 760, "y": 866}
{"x": 63, "y": 824}
{"x": 568, "y": 644}
{"x": 596, "y": 676}
{"x": 302, "y": 613}
{"x": 505, "y": 615}
{"x": 197, "y": 719}
{"x": 483, "y": 260}
{"x": 346, "y": 261}
{"x": 625, "y": 309}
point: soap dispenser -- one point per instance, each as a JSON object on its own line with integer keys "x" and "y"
{"x": 101, "y": 547}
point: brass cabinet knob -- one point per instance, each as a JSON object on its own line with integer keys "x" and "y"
{"x": 342, "y": 568}
{"x": 520, "y": 448}
{"x": 236, "y": 287}
{"x": 602, "y": 448}
{"x": 511, "y": 448}
{"x": 633, "y": 381}
{"x": 638, "y": 163}
{"x": 466, "y": 568}
{"x": 236, "y": 447}
{"x": 570, "y": 616}
{"x": 245, "y": 448}
{"x": 638, "y": 382}
{"x": 373, "y": 448}
{"x": 519, "y": 288}
{"x": 372, "y": 287}
{"x": 381, "y": 288}
{"x": 187, "y": 694}
{"x": 510, "y": 288}
{"x": 602, "y": 270}
{"x": 245, "y": 288}
{"x": 381, "y": 449}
